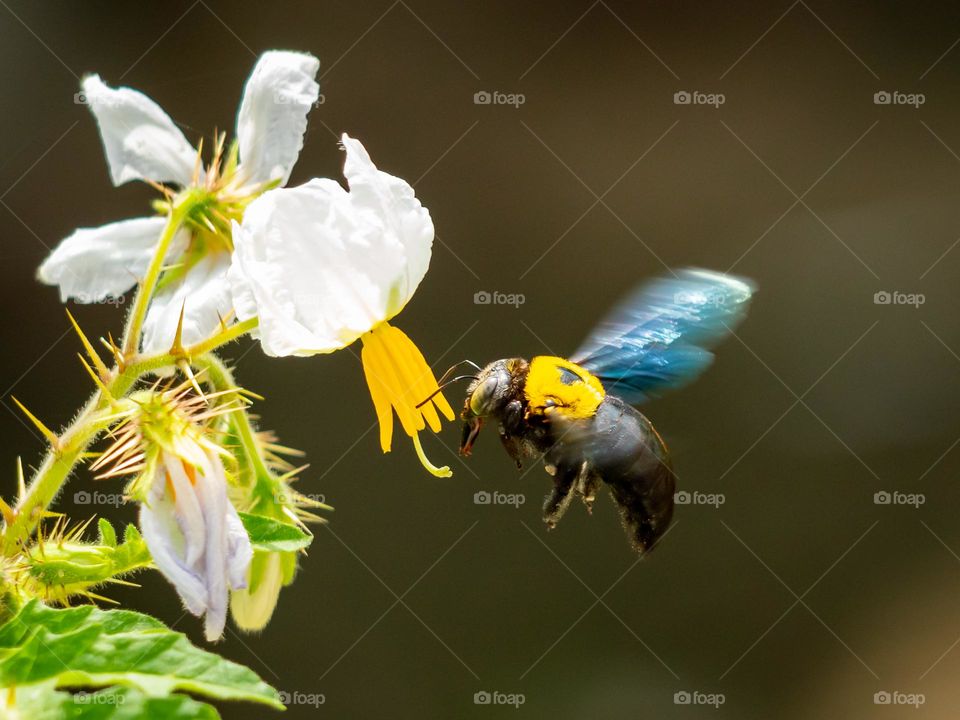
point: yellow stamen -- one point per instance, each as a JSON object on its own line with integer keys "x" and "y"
{"x": 441, "y": 472}
{"x": 399, "y": 378}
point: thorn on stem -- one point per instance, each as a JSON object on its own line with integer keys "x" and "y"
{"x": 49, "y": 434}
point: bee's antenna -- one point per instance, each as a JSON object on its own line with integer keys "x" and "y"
{"x": 453, "y": 367}
{"x": 444, "y": 383}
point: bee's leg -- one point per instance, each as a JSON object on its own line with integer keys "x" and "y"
{"x": 587, "y": 487}
{"x": 564, "y": 476}
{"x": 511, "y": 430}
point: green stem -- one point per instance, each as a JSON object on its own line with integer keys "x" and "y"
{"x": 60, "y": 461}
{"x": 222, "y": 338}
{"x": 131, "y": 334}
{"x": 221, "y": 378}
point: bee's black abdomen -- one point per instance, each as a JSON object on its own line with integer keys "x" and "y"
{"x": 625, "y": 452}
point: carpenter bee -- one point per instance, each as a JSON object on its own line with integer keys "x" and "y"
{"x": 578, "y": 414}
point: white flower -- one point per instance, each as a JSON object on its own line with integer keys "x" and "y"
{"x": 322, "y": 267}
{"x": 195, "y": 535}
{"x": 141, "y": 142}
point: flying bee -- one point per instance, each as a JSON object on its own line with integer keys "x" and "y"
{"x": 578, "y": 415}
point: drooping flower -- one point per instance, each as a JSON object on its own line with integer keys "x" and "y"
{"x": 194, "y": 533}
{"x": 253, "y": 606}
{"x": 195, "y": 536}
{"x": 141, "y": 142}
{"x": 322, "y": 267}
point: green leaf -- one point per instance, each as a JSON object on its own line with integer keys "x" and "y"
{"x": 43, "y": 702}
{"x": 269, "y": 534}
{"x": 88, "y": 647}
{"x": 108, "y": 536}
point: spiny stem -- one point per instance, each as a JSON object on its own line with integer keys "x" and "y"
{"x": 73, "y": 442}
{"x": 60, "y": 461}
{"x": 225, "y": 336}
{"x": 221, "y": 378}
{"x": 131, "y": 334}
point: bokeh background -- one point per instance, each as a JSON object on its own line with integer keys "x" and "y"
{"x": 799, "y": 596}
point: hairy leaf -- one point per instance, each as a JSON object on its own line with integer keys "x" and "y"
{"x": 269, "y": 534}
{"x": 86, "y": 647}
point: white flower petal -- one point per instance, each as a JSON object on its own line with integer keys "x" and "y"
{"x": 203, "y": 295}
{"x": 189, "y": 512}
{"x": 160, "y": 529}
{"x": 96, "y": 263}
{"x": 196, "y": 537}
{"x": 211, "y": 488}
{"x": 140, "y": 139}
{"x": 392, "y": 200}
{"x": 273, "y": 114}
{"x": 321, "y": 273}
{"x": 239, "y": 550}
{"x": 320, "y": 266}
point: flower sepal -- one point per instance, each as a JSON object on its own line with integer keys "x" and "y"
{"x": 61, "y": 566}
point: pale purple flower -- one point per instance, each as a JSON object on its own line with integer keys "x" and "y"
{"x": 195, "y": 536}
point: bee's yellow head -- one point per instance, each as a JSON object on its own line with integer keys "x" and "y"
{"x": 558, "y": 385}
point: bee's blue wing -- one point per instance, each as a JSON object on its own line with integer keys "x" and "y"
{"x": 658, "y": 337}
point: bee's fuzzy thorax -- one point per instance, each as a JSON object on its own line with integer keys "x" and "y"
{"x": 566, "y": 387}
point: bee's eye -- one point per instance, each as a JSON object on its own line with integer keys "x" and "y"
{"x": 484, "y": 395}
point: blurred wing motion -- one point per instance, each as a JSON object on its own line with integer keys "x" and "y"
{"x": 658, "y": 337}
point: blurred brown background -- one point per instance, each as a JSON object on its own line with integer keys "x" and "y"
{"x": 800, "y": 596}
